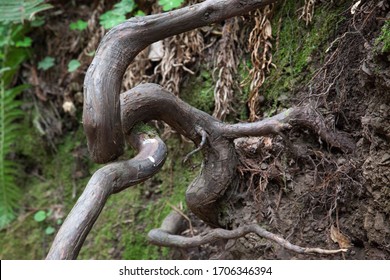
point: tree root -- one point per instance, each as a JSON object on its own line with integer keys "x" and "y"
{"x": 203, "y": 134}
{"x": 165, "y": 236}
{"x": 108, "y": 180}
{"x": 149, "y": 101}
{"x": 118, "y": 48}
{"x": 109, "y": 117}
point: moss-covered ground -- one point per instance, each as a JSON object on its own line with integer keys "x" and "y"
{"x": 296, "y": 49}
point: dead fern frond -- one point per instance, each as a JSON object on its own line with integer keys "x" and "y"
{"x": 226, "y": 65}
{"x": 178, "y": 56}
{"x": 307, "y": 11}
{"x": 136, "y": 73}
{"x": 260, "y": 47}
{"x": 179, "y": 53}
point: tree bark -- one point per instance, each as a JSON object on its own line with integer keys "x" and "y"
{"x": 108, "y": 180}
{"x": 150, "y": 101}
{"x": 101, "y": 115}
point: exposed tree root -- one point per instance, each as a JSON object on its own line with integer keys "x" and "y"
{"x": 203, "y": 134}
{"x": 150, "y": 101}
{"x": 108, "y": 180}
{"x": 166, "y": 236}
{"x": 103, "y": 80}
{"x": 108, "y": 116}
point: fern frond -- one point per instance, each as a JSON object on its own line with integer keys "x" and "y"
{"x": 20, "y": 10}
{"x": 10, "y": 112}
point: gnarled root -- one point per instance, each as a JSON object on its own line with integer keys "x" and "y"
{"x": 150, "y": 101}
{"x": 108, "y": 180}
{"x": 166, "y": 236}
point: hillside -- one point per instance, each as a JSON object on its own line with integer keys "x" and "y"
{"x": 333, "y": 57}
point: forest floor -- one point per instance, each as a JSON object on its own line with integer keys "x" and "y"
{"x": 310, "y": 193}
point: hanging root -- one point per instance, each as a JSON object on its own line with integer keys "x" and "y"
{"x": 166, "y": 236}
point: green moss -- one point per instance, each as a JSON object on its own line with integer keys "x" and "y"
{"x": 48, "y": 184}
{"x": 145, "y": 128}
{"x": 172, "y": 181}
{"x": 240, "y": 104}
{"x": 199, "y": 92}
{"x": 297, "y": 46}
{"x": 383, "y": 40}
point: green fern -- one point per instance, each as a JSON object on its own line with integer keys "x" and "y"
{"x": 10, "y": 112}
{"x": 12, "y": 54}
{"x": 21, "y": 10}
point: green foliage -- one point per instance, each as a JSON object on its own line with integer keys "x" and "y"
{"x": 9, "y": 134}
{"x": 168, "y": 5}
{"x": 384, "y": 38}
{"x": 26, "y": 42}
{"x": 13, "y": 51}
{"x": 73, "y": 65}
{"x": 15, "y": 11}
{"x": 118, "y": 14}
{"x": 78, "y": 25}
{"x": 49, "y": 230}
{"x": 46, "y": 63}
{"x": 40, "y": 216}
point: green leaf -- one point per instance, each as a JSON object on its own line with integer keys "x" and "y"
{"x": 49, "y": 230}
{"x": 117, "y": 15}
{"x": 110, "y": 19}
{"x": 168, "y": 5}
{"x": 125, "y": 6}
{"x": 140, "y": 13}
{"x": 73, "y": 65}
{"x": 78, "y": 25}
{"x": 26, "y": 42}
{"x": 59, "y": 221}
{"x": 46, "y": 63}
{"x": 40, "y": 216}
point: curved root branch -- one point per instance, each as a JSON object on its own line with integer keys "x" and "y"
{"x": 165, "y": 236}
{"x": 203, "y": 134}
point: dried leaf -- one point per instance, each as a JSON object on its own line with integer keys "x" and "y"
{"x": 340, "y": 238}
